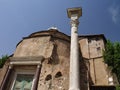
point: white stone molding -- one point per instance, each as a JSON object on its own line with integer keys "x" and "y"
{"x": 26, "y": 60}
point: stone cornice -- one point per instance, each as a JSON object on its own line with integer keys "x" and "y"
{"x": 26, "y": 60}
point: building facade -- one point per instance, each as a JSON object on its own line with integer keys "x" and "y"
{"x": 41, "y": 61}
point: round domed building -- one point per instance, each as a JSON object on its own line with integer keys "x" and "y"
{"x": 41, "y": 61}
{"x": 52, "y": 60}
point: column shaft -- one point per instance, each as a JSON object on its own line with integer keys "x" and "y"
{"x": 36, "y": 80}
{"x": 74, "y": 59}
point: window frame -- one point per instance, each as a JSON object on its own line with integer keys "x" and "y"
{"x": 27, "y": 72}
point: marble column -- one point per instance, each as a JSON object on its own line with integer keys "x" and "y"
{"x": 74, "y": 83}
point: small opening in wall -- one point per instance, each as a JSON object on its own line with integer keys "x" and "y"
{"x": 50, "y": 61}
{"x": 98, "y": 48}
{"x": 97, "y": 39}
{"x": 58, "y": 74}
{"x": 48, "y": 77}
{"x": 89, "y": 40}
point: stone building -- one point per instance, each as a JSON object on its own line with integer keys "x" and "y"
{"x": 41, "y": 61}
{"x": 51, "y": 60}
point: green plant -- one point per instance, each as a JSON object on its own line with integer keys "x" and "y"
{"x": 111, "y": 56}
{"x": 117, "y": 87}
{"x": 3, "y": 60}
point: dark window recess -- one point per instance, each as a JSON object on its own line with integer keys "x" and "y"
{"x": 58, "y": 74}
{"x": 98, "y": 48}
{"x": 50, "y": 61}
{"x": 89, "y": 40}
{"x": 96, "y": 39}
{"x": 102, "y": 88}
{"x": 48, "y": 77}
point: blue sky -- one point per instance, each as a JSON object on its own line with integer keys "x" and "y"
{"x": 19, "y": 18}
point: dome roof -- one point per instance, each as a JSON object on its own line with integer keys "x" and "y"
{"x": 51, "y": 32}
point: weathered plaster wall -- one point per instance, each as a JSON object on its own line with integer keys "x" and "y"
{"x": 55, "y": 48}
{"x": 83, "y": 43}
{"x": 98, "y": 71}
{"x": 95, "y": 45}
{"x": 55, "y": 70}
{"x": 34, "y": 47}
{"x": 91, "y": 49}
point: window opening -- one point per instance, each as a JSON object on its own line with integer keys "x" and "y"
{"x": 98, "y": 48}
{"x": 48, "y": 77}
{"x": 89, "y": 40}
{"x": 58, "y": 74}
{"x": 23, "y": 82}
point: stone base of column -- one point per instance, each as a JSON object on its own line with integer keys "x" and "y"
{"x": 74, "y": 89}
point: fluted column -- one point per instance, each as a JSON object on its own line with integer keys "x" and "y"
{"x": 74, "y": 82}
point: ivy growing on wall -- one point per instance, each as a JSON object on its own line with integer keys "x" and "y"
{"x": 3, "y": 60}
{"x": 111, "y": 56}
{"x": 117, "y": 87}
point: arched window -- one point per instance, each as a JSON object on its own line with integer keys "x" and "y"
{"x": 58, "y": 74}
{"x": 48, "y": 77}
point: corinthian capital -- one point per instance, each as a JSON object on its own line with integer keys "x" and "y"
{"x": 74, "y": 23}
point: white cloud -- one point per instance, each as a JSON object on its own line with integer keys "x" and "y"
{"x": 115, "y": 13}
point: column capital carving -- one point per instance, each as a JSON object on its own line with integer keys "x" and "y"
{"x": 74, "y": 23}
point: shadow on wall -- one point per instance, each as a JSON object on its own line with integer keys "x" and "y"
{"x": 85, "y": 78}
{"x": 54, "y": 58}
